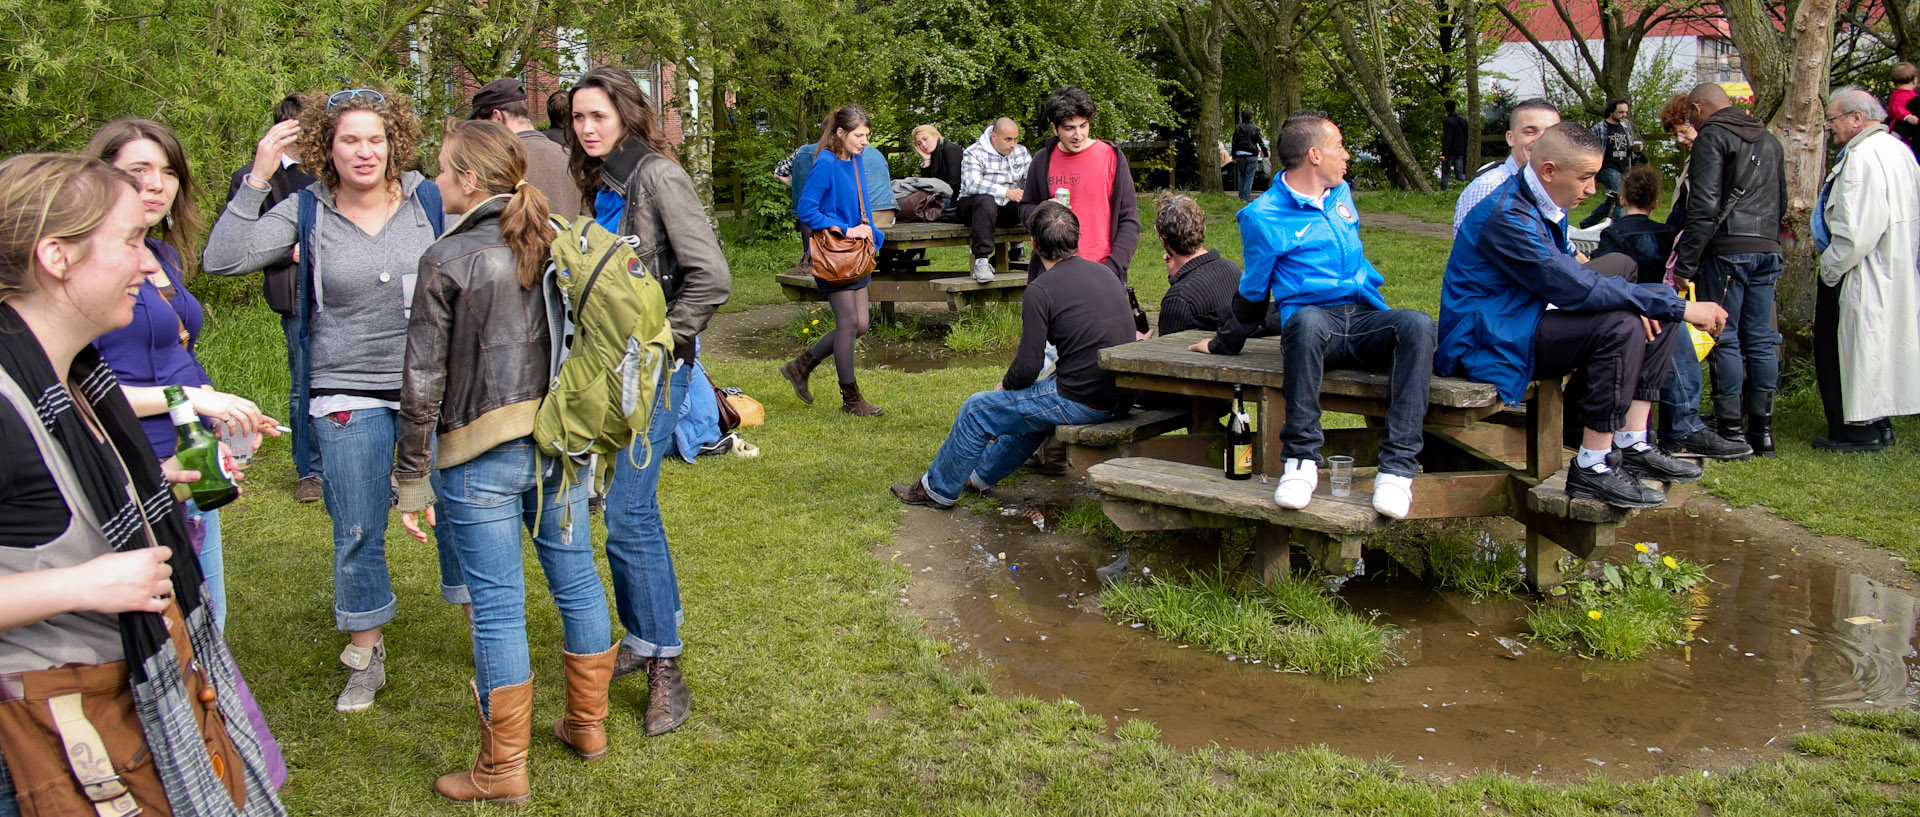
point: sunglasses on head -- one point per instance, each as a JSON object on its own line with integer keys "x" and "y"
{"x": 343, "y": 97}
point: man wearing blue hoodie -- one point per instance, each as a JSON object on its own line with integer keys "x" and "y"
{"x": 1302, "y": 244}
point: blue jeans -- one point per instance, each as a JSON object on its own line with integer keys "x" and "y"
{"x": 645, "y": 592}
{"x": 1745, "y": 360}
{"x": 359, "y": 493}
{"x": 1355, "y": 336}
{"x": 1455, "y": 166}
{"x": 306, "y": 455}
{"x": 8, "y": 808}
{"x": 212, "y": 564}
{"x": 1609, "y": 206}
{"x": 998, "y": 430}
{"x": 1680, "y": 394}
{"x": 488, "y": 500}
{"x": 1246, "y": 167}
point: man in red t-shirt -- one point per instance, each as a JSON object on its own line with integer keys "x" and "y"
{"x": 1094, "y": 175}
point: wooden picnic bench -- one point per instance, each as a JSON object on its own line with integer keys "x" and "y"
{"x": 903, "y": 277}
{"x": 1480, "y": 459}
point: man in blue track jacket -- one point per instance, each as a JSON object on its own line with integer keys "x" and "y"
{"x": 1301, "y": 240}
{"x": 1515, "y": 307}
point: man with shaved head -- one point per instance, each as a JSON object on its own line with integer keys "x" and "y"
{"x": 1730, "y": 246}
{"x": 1509, "y": 263}
{"x": 1866, "y": 339}
{"x": 993, "y": 171}
{"x": 1525, "y": 122}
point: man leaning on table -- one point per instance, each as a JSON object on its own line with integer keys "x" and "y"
{"x": 1516, "y": 307}
{"x": 1302, "y": 245}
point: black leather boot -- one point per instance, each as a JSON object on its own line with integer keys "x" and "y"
{"x": 1729, "y": 426}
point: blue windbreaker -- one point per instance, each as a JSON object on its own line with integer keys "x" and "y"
{"x": 1508, "y": 263}
{"x": 1305, "y": 255}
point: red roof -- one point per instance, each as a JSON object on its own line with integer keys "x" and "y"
{"x": 1545, "y": 23}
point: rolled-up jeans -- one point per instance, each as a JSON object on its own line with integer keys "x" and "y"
{"x": 1399, "y": 341}
{"x": 489, "y": 500}
{"x": 996, "y": 431}
{"x": 358, "y": 447}
{"x": 646, "y": 594}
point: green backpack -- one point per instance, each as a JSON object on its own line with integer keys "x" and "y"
{"x": 602, "y": 394}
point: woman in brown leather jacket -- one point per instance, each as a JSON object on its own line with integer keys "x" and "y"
{"x": 634, "y": 187}
{"x": 481, "y": 345}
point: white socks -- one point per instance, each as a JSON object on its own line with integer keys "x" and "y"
{"x": 1589, "y": 458}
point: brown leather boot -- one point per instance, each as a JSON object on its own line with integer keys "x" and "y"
{"x": 668, "y": 701}
{"x": 584, "y": 727}
{"x": 499, "y": 774}
{"x": 852, "y": 403}
{"x": 796, "y": 371}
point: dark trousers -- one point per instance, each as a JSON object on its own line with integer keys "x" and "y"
{"x": 1826, "y": 370}
{"x": 1610, "y": 358}
{"x": 306, "y": 453}
{"x": 982, "y": 217}
{"x": 1353, "y": 336}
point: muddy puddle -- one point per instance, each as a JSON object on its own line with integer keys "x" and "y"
{"x": 1797, "y": 625}
{"x": 903, "y": 356}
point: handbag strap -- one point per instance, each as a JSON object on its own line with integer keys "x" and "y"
{"x": 87, "y": 756}
{"x": 857, "y": 173}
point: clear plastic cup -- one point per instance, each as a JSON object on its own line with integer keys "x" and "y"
{"x": 240, "y": 445}
{"x": 1340, "y": 468}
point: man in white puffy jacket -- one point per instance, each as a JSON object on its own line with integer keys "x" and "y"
{"x": 1866, "y": 320}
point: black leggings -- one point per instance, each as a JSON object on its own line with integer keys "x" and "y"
{"x": 849, "y": 323}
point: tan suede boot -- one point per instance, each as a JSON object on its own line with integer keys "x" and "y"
{"x": 796, "y": 371}
{"x": 499, "y": 774}
{"x": 584, "y": 727}
{"x": 852, "y": 403}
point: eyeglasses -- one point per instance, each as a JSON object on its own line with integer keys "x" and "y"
{"x": 343, "y": 97}
{"x": 1841, "y": 114}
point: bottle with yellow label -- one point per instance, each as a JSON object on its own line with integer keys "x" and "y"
{"x": 1239, "y": 459}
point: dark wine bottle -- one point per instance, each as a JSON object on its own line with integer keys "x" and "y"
{"x": 1139, "y": 315}
{"x": 1239, "y": 464}
{"x": 199, "y": 450}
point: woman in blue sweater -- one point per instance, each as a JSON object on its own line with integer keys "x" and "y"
{"x": 833, "y": 200}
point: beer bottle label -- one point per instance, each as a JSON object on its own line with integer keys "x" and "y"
{"x": 1243, "y": 459}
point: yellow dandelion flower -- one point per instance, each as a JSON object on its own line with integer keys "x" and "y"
{"x": 816, "y": 321}
{"x": 1593, "y": 614}
{"x": 1640, "y": 547}
{"x": 804, "y": 330}
{"x": 1670, "y": 563}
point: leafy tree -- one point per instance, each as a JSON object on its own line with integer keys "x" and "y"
{"x": 1624, "y": 26}
{"x": 1196, "y": 32}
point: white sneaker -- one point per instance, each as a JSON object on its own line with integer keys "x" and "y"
{"x": 1297, "y": 484}
{"x": 983, "y": 270}
{"x": 1392, "y": 495}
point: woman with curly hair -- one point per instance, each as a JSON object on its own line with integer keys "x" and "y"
{"x": 357, "y": 235}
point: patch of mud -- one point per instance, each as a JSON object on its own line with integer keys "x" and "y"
{"x": 1797, "y": 624}
{"x": 759, "y": 334}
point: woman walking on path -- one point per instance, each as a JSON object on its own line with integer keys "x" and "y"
{"x": 480, "y": 350}
{"x": 99, "y": 593}
{"x": 833, "y": 200}
{"x": 157, "y": 349}
{"x": 359, "y": 245}
{"x": 633, "y": 186}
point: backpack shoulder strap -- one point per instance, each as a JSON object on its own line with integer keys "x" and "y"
{"x": 303, "y": 225}
{"x": 429, "y": 194}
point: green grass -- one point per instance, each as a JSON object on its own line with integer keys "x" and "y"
{"x": 1437, "y": 208}
{"x": 1480, "y": 568}
{"x": 1294, "y": 623}
{"x": 1623, "y": 611}
{"x": 985, "y": 328}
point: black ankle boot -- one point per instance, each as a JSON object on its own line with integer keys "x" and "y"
{"x": 1760, "y": 434}
{"x": 1730, "y": 427}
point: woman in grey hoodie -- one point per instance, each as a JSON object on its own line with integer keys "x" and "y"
{"x": 357, "y": 235}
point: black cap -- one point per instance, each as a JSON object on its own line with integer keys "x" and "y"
{"x": 495, "y": 94}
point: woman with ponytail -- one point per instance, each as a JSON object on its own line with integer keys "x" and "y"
{"x": 481, "y": 345}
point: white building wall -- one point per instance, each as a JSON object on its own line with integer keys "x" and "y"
{"x": 1520, "y": 67}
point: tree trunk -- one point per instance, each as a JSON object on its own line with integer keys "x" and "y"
{"x": 1362, "y": 77}
{"x": 1197, "y": 37}
{"x": 693, "y": 87}
{"x": 1476, "y": 124}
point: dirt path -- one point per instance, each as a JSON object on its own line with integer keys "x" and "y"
{"x": 1409, "y": 224}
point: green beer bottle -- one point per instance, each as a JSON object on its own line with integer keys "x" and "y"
{"x": 199, "y": 450}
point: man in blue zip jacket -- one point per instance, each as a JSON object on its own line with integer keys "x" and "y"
{"x": 1516, "y": 307}
{"x": 1301, "y": 240}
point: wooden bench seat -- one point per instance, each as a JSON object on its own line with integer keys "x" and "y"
{"x": 965, "y": 293}
{"x": 1141, "y": 434}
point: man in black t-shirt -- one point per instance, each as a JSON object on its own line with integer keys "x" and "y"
{"x": 1622, "y": 145}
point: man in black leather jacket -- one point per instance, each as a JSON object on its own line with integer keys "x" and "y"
{"x": 1735, "y": 259}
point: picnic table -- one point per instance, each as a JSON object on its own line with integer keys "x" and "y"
{"x": 901, "y": 276}
{"x": 1480, "y": 459}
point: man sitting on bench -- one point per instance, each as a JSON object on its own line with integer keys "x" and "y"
{"x": 1079, "y": 307}
{"x": 1510, "y": 262}
{"x": 993, "y": 171}
{"x": 1302, "y": 245}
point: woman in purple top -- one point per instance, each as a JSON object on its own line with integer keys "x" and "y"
{"x": 833, "y": 200}
{"x": 156, "y": 350}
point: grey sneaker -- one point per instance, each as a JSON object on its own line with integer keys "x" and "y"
{"x": 983, "y": 270}
{"x": 369, "y": 665}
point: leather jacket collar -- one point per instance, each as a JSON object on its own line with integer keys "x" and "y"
{"x": 617, "y": 169}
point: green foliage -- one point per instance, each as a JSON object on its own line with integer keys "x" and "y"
{"x": 985, "y": 328}
{"x": 812, "y": 324}
{"x": 1293, "y": 623}
{"x": 1481, "y": 567}
{"x": 1085, "y": 518}
{"x": 1622, "y": 611}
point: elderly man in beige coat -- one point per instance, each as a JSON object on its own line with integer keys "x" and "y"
{"x": 1866, "y": 322}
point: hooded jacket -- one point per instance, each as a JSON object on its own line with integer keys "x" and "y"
{"x": 1125, "y": 203}
{"x": 676, "y": 242}
{"x": 1724, "y": 155}
{"x": 984, "y": 172}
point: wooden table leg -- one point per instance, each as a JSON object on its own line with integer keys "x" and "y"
{"x": 1546, "y": 420}
{"x": 1000, "y": 256}
{"x": 886, "y": 312}
{"x": 1272, "y": 552}
{"x": 1542, "y": 562}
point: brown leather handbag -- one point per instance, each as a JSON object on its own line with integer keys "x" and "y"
{"x": 835, "y": 259}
